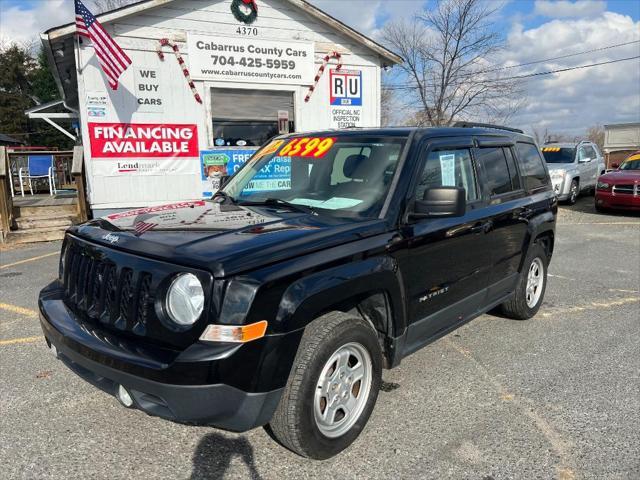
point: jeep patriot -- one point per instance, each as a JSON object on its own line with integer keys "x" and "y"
{"x": 278, "y": 302}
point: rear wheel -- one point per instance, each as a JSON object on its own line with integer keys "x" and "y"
{"x": 532, "y": 284}
{"x": 332, "y": 388}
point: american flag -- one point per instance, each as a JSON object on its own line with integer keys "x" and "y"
{"x": 141, "y": 227}
{"x": 111, "y": 57}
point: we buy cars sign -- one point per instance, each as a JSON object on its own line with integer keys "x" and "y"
{"x": 148, "y": 147}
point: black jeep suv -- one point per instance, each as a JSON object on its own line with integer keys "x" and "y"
{"x": 326, "y": 258}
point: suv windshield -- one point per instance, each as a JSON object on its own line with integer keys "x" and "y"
{"x": 342, "y": 175}
{"x": 630, "y": 165}
{"x": 559, "y": 155}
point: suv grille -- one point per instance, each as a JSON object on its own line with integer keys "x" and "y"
{"x": 118, "y": 291}
{"x": 114, "y": 296}
{"x": 629, "y": 189}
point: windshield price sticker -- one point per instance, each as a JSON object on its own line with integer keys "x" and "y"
{"x": 308, "y": 147}
{"x": 269, "y": 149}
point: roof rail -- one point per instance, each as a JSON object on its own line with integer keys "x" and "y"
{"x": 485, "y": 125}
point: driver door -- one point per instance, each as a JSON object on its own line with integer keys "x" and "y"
{"x": 446, "y": 263}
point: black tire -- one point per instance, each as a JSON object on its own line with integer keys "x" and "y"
{"x": 574, "y": 192}
{"x": 294, "y": 424}
{"x": 600, "y": 209}
{"x": 517, "y": 307}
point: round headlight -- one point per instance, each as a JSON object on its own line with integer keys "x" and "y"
{"x": 185, "y": 299}
{"x": 603, "y": 186}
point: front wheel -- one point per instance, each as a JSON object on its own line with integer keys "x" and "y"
{"x": 531, "y": 287}
{"x": 332, "y": 388}
{"x": 574, "y": 191}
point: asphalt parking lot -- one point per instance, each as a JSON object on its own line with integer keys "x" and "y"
{"x": 554, "y": 397}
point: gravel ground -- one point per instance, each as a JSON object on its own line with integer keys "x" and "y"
{"x": 554, "y": 397}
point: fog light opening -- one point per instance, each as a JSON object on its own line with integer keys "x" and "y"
{"x": 124, "y": 396}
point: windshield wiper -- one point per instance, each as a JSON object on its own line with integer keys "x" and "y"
{"x": 224, "y": 195}
{"x": 282, "y": 203}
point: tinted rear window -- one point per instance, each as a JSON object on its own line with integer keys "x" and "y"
{"x": 532, "y": 166}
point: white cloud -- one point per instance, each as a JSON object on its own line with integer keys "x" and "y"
{"x": 24, "y": 25}
{"x": 565, "y": 8}
{"x": 572, "y": 101}
{"x": 367, "y": 17}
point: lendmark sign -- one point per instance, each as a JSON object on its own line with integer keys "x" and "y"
{"x": 122, "y": 140}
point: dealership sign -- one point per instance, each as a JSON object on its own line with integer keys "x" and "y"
{"x": 250, "y": 60}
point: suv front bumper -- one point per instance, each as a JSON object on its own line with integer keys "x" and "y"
{"x": 155, "y": 378}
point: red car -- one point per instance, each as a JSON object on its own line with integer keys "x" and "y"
{"x": 620, "y": 189}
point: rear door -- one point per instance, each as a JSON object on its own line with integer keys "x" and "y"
{"x": 445, "y": 264}
{"x": 508, "y": 212}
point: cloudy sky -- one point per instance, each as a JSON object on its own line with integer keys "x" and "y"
{"x": 534, "y": 30}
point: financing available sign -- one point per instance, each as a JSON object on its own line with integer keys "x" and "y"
{"x": 129, "y": 140}
{"x": 250, "y": 60}
{"x": 142, "y": 148}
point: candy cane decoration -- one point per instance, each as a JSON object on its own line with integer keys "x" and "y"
{"x": 185, "y": 70}
{"x": 325, "y": 61}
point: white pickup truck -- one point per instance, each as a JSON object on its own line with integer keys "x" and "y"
{"x": 574, "y": 168}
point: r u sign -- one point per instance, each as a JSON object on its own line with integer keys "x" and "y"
{"x": 346, "y": 87}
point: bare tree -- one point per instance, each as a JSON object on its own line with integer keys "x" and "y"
{"x": 106, "y": 5}
{"x": 596, "y": 135}
{"x": 448, "y": 64}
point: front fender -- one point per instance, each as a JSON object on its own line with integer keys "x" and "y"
{"x": 326, "y": 290}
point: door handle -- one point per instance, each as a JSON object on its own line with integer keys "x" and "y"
{"x": 482, "y": 227}
{"x": 526, "y": 213}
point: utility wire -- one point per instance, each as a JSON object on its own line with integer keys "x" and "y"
{"x": 557, "y": 58}
{"x": 411, "y": 87}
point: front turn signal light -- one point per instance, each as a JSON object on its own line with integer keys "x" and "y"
{"x": 234, "y": 333}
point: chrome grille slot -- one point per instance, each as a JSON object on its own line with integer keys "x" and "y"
{"x": 628, "y": 189}
{"x": 125, "y": 299}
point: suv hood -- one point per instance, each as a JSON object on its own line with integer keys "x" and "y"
{"x": 621, "y": 176}
{"x": 560, "y": 166}
{"x": 224, "y": 239}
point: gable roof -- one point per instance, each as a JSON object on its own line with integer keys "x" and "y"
{"x": 59, "y": 33}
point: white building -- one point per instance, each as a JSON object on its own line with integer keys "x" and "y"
{"x": 620, "y": 141}
{"x": 252, "y": 80}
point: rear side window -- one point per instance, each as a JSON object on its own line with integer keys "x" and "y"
{"x": 448, "y": 168}
{"x": 532, "y": 168}
{"x": 502, "y": 176}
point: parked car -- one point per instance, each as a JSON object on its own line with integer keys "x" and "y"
{"x": 279, "y": 303}
{"x": 574, "y": 168}
{"x": 620, "y": 188}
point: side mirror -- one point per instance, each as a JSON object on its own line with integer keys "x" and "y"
{"x": 440, "y": 202}
{"x": 615, "y": 165}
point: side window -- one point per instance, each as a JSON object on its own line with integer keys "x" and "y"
{"x": 582, "y": 153}
{"x": 532, "y": 168}
{"x": 495, "y": 166}
{"x": 448, "y": 168}
{"x": 590, "y": 152}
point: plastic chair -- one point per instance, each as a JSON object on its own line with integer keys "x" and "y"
{"x": 39, "y": 166}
